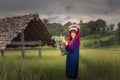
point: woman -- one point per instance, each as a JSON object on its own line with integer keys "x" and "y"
{"x": 72, "y": 46}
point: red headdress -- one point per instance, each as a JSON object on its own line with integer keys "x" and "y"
{"x": 78, "y": 32}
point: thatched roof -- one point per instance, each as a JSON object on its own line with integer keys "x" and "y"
{"x": 35, "y": 30}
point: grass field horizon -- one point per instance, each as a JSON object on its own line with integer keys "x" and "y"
{"x": 95, "y": 64}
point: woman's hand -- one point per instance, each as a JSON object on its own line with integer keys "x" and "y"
{"x": 64, "y": 41}
{"x": 62, "y": 54}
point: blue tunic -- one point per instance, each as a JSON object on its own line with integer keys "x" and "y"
{"x": 72, "y": 61}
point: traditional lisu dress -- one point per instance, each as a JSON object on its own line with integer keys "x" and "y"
{"x": 72, "y": 59}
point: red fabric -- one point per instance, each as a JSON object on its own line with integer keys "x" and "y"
{"x": 78, "y": 33}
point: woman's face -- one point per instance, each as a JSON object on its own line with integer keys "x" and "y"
{"x": 73, "y": 35}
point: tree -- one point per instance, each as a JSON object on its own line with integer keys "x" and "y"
{"x": 101, "y": 25}
{"x": 96, "y": 26}
{"x": 45, "y": 21}
{"x": 110, "y": 28}
{"x": 91, "y": 27}
{"x": 65, "y": 28}
{"x": 84, "y": 29}
{"x": 81, "y": 22}
{"x": 119, "y": 25}
{"x": 118, "y": 34}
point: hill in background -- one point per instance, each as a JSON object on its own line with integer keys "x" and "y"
{"x": 94, "y": 34}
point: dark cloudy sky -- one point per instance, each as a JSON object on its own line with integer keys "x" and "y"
{"x": 64, "y": 10}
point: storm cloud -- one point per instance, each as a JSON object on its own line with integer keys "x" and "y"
{"x": 64, "y": 10}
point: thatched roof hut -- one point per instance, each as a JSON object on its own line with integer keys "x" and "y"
{"x": 33, "y": 28}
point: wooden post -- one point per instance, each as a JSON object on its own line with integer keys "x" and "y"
{"x": 39, "y": 50}
{"x": 2, "y": 52}
{"x": 23, "y": 45}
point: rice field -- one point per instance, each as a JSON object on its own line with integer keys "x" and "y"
{"x": 95, "y": 64}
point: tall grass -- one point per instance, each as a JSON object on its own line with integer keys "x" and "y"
{"x": 100, "y": 64}
{"x": 95, "y": 64}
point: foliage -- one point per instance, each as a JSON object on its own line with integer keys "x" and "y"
{"x": 90, "y": 30}
{"x": 100, "y": 42}
{"x": 118, "y": 34}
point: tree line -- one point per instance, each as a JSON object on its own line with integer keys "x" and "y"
{"x": 90, "y": 28}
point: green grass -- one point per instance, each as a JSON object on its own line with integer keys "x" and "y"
{"x": 96, "y": 37}
{"x": 100, "y": 64}
{"x": 95, "y": 64}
